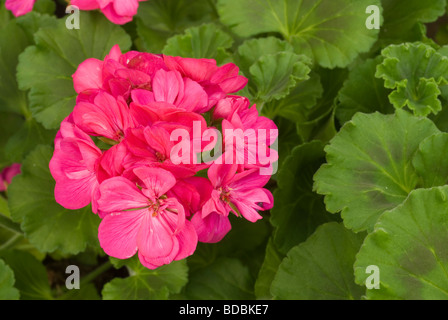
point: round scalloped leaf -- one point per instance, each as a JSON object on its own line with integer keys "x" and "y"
{"x": 369, "y": 166}
{"x": 7, "y": 290}
{"x": 415, "y": 71}
{"x": 251, "y": 50}
{"x": 146, "y": 284}
{"x": 206, "y": 41}
{"x": 332, "y": 32}
{"x": 401, "y": 18}
{"x": 321, "y": 268}
{"x": 409, "y": 248}
{"x": 46, "y": 224}
{"x": 274, "y": 75}
{"x": 224, "y": 279}
{"x": 430, "y": 160}
{"x": 363, "y": 92}
{"x": 46, "y": 69}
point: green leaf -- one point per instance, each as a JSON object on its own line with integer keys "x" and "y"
{"x": 320, "y": 268}
{"x": 7, "y": 290}
{"x": 318, "y": 120}
{"x": 146, "y": 284}
{"x": 246, "y": 241}
{"x": 274, "y": 75}
{"x": 369, "y": 167}
{"x": 206, "y": 41}
{"x": 415, "y": 72}
{"x": 298, "y": 104}
{"x": 45, "y": 6}
{"x": 409, "y": 248}
{"x": 13, "y": 41}
{"x": 4, "y": 210}
{"x": 32, "y": 21}
{"x": 363, "y": 92}
{"x": 268, "y": 270}
{"x": 225, "y": 279}
{"x": 287, "y": 140}
{"x": 30, "y": 274}
{"x": 46, "y": 68}
{"x": 158, "y": 20}
{"x": 46, "y": 224}
{"x": 298, "y": 211}
{"x": 253, "y": 49}
{"x": 333, "y": 32}
{"x": 430, "y": 163}
{"x": 27, "y": 136}
{"x": 9, "y": 122}
{"x": 401, "y": 18}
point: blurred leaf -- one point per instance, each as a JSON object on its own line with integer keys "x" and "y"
{"x": 320, "y": 268}
{"x": 7, "y": 290}
{"x": 13, "y": 41}
{"x": 146, "y": 284}
{"x": 268, "y": 270}
{"x": 225, "y": 279}
{"x": 298, "y": 211}
{"x": 26, "y": 137}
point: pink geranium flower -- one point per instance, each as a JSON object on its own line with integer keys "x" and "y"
{"x": 143, "y": 218}
{"x": 106, "y": 117}
{"x": 74, "y": 167}
{"x": 117, "y": 11}
{"x": 7, "y": 174}
{"x": 241, "y": 193}
{"x": 158, "y": 115}
{"x": 19, "y": 7}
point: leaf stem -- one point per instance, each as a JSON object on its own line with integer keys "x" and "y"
{"x": 11, "y": 242}
{"x": 5, "y": 222}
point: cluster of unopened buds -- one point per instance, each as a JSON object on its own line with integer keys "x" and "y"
{"x": 117, "y": 11}
{"x": 163, "y": 152}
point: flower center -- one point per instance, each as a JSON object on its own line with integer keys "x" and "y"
{"x": 224, "y": 194}
{"x": 160, "y": 156}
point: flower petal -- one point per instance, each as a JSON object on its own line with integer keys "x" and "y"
{"x": 118, "y": 233}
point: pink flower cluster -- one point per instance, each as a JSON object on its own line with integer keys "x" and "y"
{"x": 148, "y": 204}
{"x": 117, "y": 11}
{"x": 7, "y": 174}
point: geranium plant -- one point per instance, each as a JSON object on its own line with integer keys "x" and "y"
{"x": 224, "y": 149}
